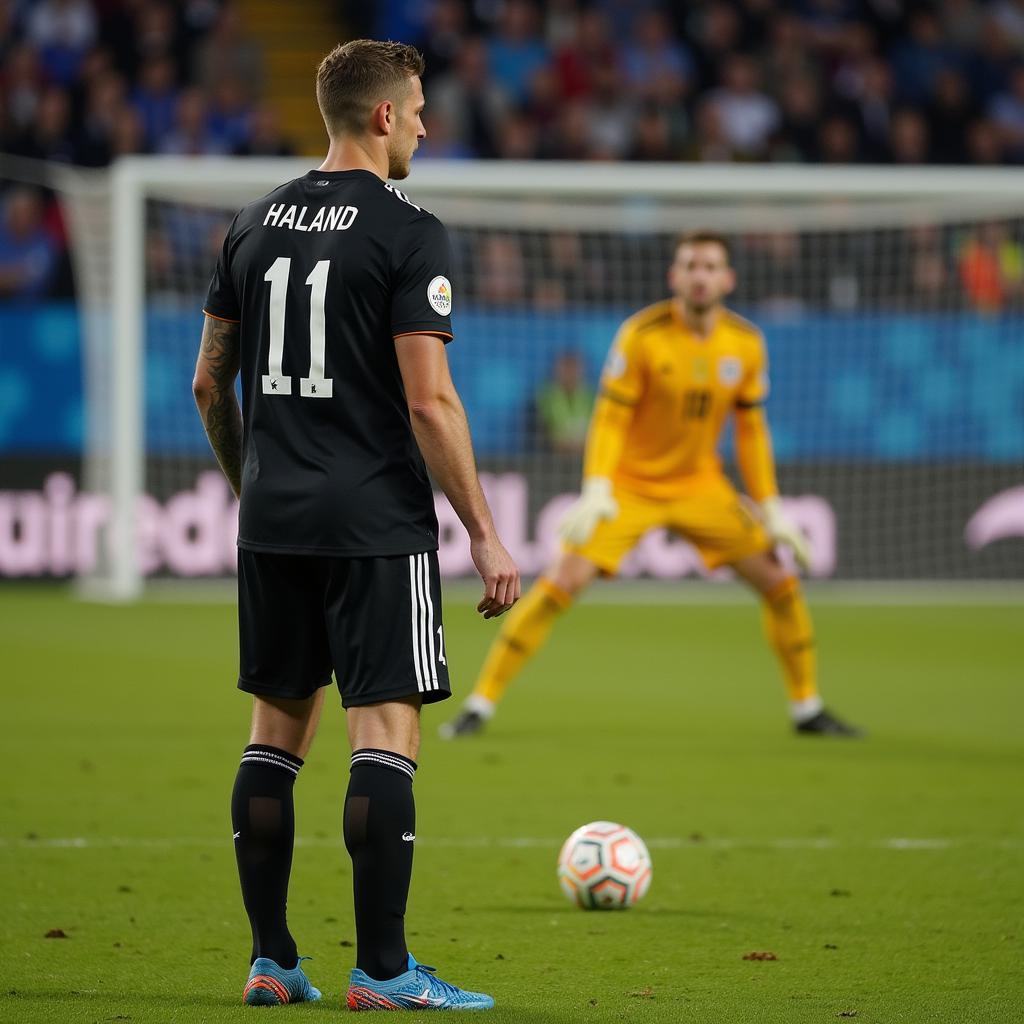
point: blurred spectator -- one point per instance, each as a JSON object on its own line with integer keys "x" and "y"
{"x": 654, "y": 53}
{"x": 962, "y": 23}
{"x": 988, "y": 64}
{"x": 709, "y": 143}
{"x": 919, "y": 60}
{"x": 104, "y": 102}
{"x": 800, "y": 102}
{"x": 908, "y": 138}
{"x": 230, "y": 117}
{"x": 611, "y": 116}
{"x": 155, "y": 35}
{"x": 950, "y": 114}
{"x": 620, "y": 14}
{"x": 787, "y": 55}
{"x": 857, "y": 51}
{"x": 470, "y": 100}
{"x": 1009, "y": 16}
{"x": 590, "y": 49}
{"x": 560, "y": 21}
{"x": 652, "y": 136}
{"x": 1006, "y": 112}
{"x": 518, "y": 138}
{"x": 22, "y": 84}
{"x": 28, "y": 253}
{"x": 156, "y": 99}
{"x": 983, "y": 143}
{"x": 749, "y": 116}
{"x": 501, "y": 271}
{"x": 991, "y": 268}
{"x": 265, "y": 138}
{"x": 715, "y": 31}
{"x": 228, "y": 52}
{"x": 563, "y": 405}
{"x": 570, "y": 137}
{"x": 444, "y": 32}
{"x": 545, "y": 101}
{"x": 837, "y": 140}
{"x": 517, "y": 50}
{"x": 191, "y": 135}
{"x": 672, "y": 97}
{"x": 928, "y": 286}
{"x": 874, "y": 106}
{"x": 62, "y": 31}
{"x": 127, "y": 135}
{"x": 49, "y": 137}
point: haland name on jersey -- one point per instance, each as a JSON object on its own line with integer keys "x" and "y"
{"x": 327, "y": 218}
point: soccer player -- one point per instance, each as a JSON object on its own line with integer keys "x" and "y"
{"x": 676, "y": 372}
{"x": 332, "y": 297}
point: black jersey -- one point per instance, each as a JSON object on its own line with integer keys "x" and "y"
{"x": 323, "y": 274}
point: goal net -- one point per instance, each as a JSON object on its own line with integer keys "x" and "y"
{"x": 892, "y": 302}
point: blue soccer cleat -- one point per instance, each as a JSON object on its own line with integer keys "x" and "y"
{"x": 417, "y": 989}
{"x": 271, "y": 985}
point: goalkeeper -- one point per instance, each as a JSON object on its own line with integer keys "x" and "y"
{"x": 676, "y": 371}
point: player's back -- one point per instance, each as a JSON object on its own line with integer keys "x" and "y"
{"x": 323, "y": 273}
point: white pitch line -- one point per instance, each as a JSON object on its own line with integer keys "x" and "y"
{"x": 897, "y": 843}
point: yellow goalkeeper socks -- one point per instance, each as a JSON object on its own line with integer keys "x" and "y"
{"x": 787, "y": 624}
{"x": 526, "y": 627}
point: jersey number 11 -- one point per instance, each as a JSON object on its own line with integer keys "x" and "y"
{"x": 316, "y": 385}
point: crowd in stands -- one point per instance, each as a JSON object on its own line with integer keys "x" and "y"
{"x": 833, "y": 81}
{"x": 84, "y": 81}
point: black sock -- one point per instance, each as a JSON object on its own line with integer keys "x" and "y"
{"x": 263, "y": 821}
{"x": 380, "y": 826}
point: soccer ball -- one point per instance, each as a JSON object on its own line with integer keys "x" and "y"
{"x": 604, "y": 866}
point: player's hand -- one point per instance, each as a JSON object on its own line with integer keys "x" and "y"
{"x": 500, "y": 576}
{"x": 594, "y": 504}
{"x": 783, "y": 530}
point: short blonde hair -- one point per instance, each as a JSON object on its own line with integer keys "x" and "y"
{"x": 355, "y": 76}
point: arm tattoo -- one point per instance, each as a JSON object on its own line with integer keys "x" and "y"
{"x": 219, "y": 354}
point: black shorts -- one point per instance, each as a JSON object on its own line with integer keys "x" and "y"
{"x": 374, "y": 622}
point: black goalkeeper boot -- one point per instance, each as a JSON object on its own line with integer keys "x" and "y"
{"x": 466, "y": 723}
{"x": 826, "y": 724}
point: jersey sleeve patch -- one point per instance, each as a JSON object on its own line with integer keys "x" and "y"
{"x": 439, "y": 295}
{"x": 615, "y": 364}
{"x": 421, "y": 299}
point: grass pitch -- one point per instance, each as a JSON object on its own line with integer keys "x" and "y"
{"x": 884, "y": 875}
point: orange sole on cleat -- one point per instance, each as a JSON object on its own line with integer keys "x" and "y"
{"x": 360, "y": 998}
{"x": 264, "y": 990}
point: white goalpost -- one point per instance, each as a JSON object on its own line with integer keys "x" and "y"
{"x": 892, "y": 300}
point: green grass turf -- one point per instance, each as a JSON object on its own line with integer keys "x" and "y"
{"x": 122, "y": 727}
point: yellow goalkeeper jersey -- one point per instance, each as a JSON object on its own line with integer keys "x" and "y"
{"x": 682, "y": 388}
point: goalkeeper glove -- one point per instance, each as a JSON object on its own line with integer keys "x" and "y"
{"x": 594, "y": 504}
{"x": 782, "y": 530}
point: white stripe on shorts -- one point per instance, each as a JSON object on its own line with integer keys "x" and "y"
{"x": 415, "y": 623}
{"x": 422, "y": 603}
{"x": 432, "y": 673}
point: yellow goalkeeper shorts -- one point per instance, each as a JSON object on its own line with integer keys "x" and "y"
{"x": 714, "y": 519}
